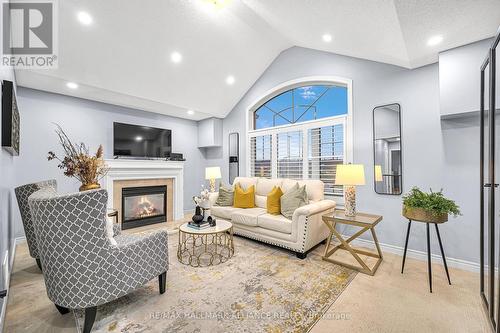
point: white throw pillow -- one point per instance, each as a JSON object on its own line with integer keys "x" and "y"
{"x": 110, "y": 232}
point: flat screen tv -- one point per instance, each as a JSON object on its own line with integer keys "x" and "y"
{"x": 141, "y": 141}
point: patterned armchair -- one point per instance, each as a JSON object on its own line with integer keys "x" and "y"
{"x": 82, "y": 269}
{"x": 22, "y": 195}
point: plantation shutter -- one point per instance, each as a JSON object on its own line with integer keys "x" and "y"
{"x": 261, "y": 153}
{"x": 289, "y": 153}
{"x": 326, "y": 151}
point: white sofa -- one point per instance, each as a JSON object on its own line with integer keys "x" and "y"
{"x": 302, "y": 233}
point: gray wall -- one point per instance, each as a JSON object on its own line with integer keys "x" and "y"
{"x": 435, "y": 154}
{"x": 91, "y": 123}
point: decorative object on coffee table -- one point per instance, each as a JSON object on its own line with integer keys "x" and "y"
{"x": 428, "y": 208}
{"x": 350, "y": 175}
{"x": 203, "y": 200}
{"x": 362, "y": 220}
{"x": 211, "y": 221}
{"x": 205, "y": 247}
{"x": 79, "y": 163}
{"x": 197, "y": 217}
{"x": 212, "y": 173}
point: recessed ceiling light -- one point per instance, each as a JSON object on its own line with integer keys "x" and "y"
{"x": 190, "y": 112}
{"x": 138, "y": 138}
{"x": 84, "y": 18}
{"x": 219, "y": 4}
{"x": 176, "y": 57}
{"x": 434, "y": 40}
{"x": 71, "y": 85}
{"x": 230, "y": 80}
{"x": 327, "y": 38}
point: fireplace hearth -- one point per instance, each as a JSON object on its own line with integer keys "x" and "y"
{"x": 143, "y": 205}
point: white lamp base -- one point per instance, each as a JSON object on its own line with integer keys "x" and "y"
{"x": 350, "y": 200}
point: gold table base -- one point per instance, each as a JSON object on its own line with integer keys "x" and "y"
{"x": 205, "y": 249}
{"x": 366, "y": 222}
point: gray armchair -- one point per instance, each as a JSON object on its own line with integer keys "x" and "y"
{"x": 22, "y": 195}
{"x": 81, "y": 268}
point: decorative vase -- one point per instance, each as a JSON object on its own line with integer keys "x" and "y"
{"x": 197, "y": 217}
{"x": 88, "y": 187}
{"x": 423, "y": 215}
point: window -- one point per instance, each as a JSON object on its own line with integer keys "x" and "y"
{"x": 326, "y": 150}
{"x": 261, "y": 156}
{"x": 290, "y": 155}
{"x": 302, "y": 104}
{"x": 302, "y": 133}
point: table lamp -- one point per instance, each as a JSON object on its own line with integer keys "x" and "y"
{"x": 212, "y": 173}
{"x": 350, "y": 175}
{"x": 378, "y": 173}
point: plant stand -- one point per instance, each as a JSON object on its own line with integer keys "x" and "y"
{"x": 429, "y": 262}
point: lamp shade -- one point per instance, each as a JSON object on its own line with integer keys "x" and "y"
{"x": 378, "y": 173}
{"x": 212, "y": 173}
{"x": 350, "y": 174}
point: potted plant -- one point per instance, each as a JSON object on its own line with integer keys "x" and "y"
{"x": 79, "y": 163}
{"x": 430, "y": 207}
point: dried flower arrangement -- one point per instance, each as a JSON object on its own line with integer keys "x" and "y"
{"x": 79, "y": 163}
{"x": 203, "y": 200}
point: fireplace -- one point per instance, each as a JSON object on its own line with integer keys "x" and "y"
{"x": 143, "y": 205}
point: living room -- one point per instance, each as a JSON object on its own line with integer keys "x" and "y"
{"x": 248, "y": 165}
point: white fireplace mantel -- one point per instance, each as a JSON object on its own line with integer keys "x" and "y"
{"x": 124, "y": 169}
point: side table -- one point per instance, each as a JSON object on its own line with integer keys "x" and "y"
{"x": 362, "y": 220}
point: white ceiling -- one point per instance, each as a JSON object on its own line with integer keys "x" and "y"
{"x": 123, "y": 57}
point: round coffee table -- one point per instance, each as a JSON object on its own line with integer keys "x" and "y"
{"x": 205, "y": 247}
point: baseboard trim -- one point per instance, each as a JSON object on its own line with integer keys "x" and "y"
{"x": 7, "y": 282}
{"x": 420, "y": 255}
{"x": 19, "y": 240}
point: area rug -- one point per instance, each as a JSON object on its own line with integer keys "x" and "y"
{"x": 260, "y": 289}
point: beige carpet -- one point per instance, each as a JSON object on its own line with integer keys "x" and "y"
{"x": 260, "y": 289}
{"x": 386, "y": 302}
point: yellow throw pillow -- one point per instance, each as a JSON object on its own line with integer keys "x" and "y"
{"x": 244, "y": 199}
{"x": 273, "y": 201}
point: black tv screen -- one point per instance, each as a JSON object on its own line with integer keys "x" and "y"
{"x": 141, "y": 141}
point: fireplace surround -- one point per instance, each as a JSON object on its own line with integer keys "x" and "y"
{"x": 143, "y": 205}
{"x": 137, "y": 173}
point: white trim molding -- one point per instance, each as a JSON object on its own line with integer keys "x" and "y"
{"x": 8, "y": 265}
{"x": 123, "y": 169}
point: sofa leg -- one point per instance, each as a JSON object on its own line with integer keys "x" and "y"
{"x": 39, "y": 263}
{"x": 89, "y": 319}
{"x": 62, "y": 310}
{"x": 162, "y": 282}
{"x": 301, "y": 255}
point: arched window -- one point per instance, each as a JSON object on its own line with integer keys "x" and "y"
{"x": 301, "y": 104}
{"x": 301, "y": 131}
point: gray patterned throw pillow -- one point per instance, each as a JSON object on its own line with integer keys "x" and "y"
{"x": 226, "y": 196}
{"x": 294, "y": 198}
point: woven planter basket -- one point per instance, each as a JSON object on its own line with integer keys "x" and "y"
{"x": 422, "y": 215}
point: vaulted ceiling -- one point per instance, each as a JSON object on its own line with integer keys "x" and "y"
{"x": 124, "y": 56}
